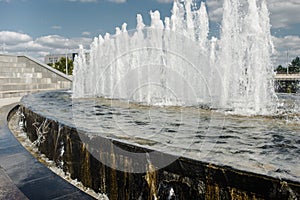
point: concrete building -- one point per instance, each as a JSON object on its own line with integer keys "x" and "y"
{"x": 21, "y": 75}
{"x": 53, "y": 58}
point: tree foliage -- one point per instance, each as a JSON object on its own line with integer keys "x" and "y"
{"x": 61, "y": 66}
{"x": 294, "y": 67}
{"x": 295, "y": 62}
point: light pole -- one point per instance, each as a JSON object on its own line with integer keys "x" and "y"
{"x": 53, "y": 64}
{"x": 287, "y": 61}
{"x": 3, "y": 47}
{"x": 67, "y": 73}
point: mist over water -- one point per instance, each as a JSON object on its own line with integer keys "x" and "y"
{"x": 174, "y": 62}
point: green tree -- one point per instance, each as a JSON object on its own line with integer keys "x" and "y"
{"x": 294, "y": 67}
{"x": 61, "y": 66}
{"x": 281, "y": 70}
{"x": 296, "y": 62}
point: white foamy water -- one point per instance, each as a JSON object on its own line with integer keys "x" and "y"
{"x": 173, "y": 61}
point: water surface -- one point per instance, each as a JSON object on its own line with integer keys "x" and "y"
{"x": 268, "y": 145}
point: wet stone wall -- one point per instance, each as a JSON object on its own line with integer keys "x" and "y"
{"x": 116, "y": 168}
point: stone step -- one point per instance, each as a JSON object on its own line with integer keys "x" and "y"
{"x": 7, "y": 80}
{"x": 7, "y": 58}
{"x": 21, "y": 75}
{"x": 11, "y": 64}
{"x": 20, "y": 93}
{"x": 17, "y": 69}
{"x": 14, "y": 87}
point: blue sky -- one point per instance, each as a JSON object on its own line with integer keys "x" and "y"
{"x": 40, "y": 27}
{"x": 72, "y": 18}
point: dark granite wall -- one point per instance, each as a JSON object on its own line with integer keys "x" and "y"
{"x": 189, "y": 179}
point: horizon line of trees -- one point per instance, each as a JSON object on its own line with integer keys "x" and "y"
{"x": 293, "y": 67}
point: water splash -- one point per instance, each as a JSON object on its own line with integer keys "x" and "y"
{"x": 245, "y": 61}
{"x": 175, "y": 63}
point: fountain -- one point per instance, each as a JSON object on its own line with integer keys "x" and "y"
{"x": 174, "y": 63}
{"x": 165, "y": 112}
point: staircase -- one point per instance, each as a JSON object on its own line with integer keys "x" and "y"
{"x": 21, "y": 75}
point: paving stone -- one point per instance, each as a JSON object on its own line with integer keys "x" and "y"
{"x": 22, "y": 176}
{"x": 8, "y": 190}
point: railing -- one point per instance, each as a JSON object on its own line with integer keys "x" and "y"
{"x": 287, "y": 77}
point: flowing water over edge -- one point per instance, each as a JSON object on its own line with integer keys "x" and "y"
{"x": 267, "y": 145}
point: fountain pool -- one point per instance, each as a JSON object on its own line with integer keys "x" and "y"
{"x": 164, "y": 111}
{"x": 266, "y": 146}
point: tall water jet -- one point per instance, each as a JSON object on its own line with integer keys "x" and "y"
{"x": 174, "y": 63}
{"x": 245, "y": 59}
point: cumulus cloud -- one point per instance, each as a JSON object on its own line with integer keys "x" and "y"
{"x": 95, "y": 1}
{"x": 215, "y": 10}
{"x": 165, "y": 1}
{"x": 283, "y": 14}
{"x": 86, "y": 33}
{"x": 19, "y": 43}
{"x": 59, "y": 42}
{"x": 55, "y": 27}
{"x": 30, "y": 46}
{"x": 287, "y": 48}
{"x": 53, "y": 41}
{"x": 10, "y": 1}
{"x": 123, "y": 1}
{"x": 114, "y": 1}
{"x": 11, "y": 38}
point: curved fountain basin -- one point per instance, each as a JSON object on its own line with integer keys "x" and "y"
{"x": 268, "y": 146}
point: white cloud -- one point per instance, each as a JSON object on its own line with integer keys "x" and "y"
{"x": 165, "y": 1}
{"x": 289, "y": 41}
{"x": 283, "y": 14}
{"x": 30, "y": 46}
{"x": 86, "y": 33}
{"x": 11, "y": 38}
{"x": 95, "y": 1}
{"x": 59, "y": 42}
{"x": 114, "y": 1}
{"x": 215, "y": 10}
{"x": 10, "y": 1}
{"x": 19, "y": 43}
{"x": 287, "y": 48}
{"x": 55, "y": 27}
{"x": 53, "y": 41}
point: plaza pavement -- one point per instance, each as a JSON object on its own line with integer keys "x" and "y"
{"x": 21, "y": 175}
